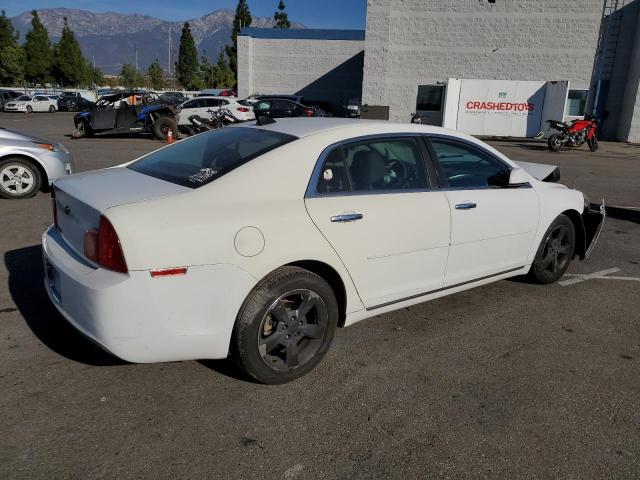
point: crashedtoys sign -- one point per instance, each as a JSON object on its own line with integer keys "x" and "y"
{"x": 502, "y": 107}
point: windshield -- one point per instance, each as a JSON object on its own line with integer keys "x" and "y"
{"x": 208, "y": 156}
{"x": 23, "y": 98}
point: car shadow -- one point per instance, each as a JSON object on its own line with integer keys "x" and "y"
{"x": 26, "y": 286}
{"x": 228, "y": 368}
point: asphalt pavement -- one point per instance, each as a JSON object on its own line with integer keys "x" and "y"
{"x": 510, "y": 380}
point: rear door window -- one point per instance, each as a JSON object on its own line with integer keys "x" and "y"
{"x": 208, "y": 156}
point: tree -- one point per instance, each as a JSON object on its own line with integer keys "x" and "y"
{"x": 130, "y": 76}
{"x": 8, "y": 36}
{"x": 12, "y": 61}
{"x": 241, "y": 20}
{"x": 70, "y": 67}
{"x": 39, "y": 54}
{"x": 187, "y": 66}
{"x": 96, "y": 77}
{"x": 281, "y": 17}
{"x": 156, "y": 75}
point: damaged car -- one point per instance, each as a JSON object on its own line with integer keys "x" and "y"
{"x": 127, "y": 113}
{"x": 315, "y": 225}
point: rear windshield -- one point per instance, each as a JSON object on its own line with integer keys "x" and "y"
{"x": 208, "y": 156}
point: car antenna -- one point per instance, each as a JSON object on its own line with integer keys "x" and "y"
{"x": 264, "y": 120}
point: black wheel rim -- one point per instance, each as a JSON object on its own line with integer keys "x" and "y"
{"x": 557, "y": 250}
{"x": 292, "y": 331}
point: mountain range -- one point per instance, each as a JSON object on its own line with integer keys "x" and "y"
{"x": 112, "y": 39}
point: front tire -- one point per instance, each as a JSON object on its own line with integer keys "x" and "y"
{"x": 52, "y": 109}
{"x": 555, "y": 252}
{"x": 162, "y": 126}
{"x": 19, "y": 178}
{"x": 593, "y": 144}
{"x": 554, "y": 143}
{"x": 285, "y": 326}
{"x": 29, "y": 109}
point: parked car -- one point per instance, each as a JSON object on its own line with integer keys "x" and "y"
{"x": 293, "y": 98}
{"x": 353, "y": 108}
{"x": 281, "y": 108}
{"x": 260, "y": 240}
{"x": 29, "y": 104}
{"x": 73, "y": 103}
{"x": 127, "y": 112}
{"x": 201, "y": 106}
{"x": 29, "y": 164}
{"x": 6, "y": 96}
{"x": 173, "y": 98}
{"x": 228, "y": 93}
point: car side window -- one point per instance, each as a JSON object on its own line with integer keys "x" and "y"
{"x": 212, "y": 102}
{"x": 385, "y": 164}
{"x": 333, "y": 176}
{"x": 282, "y": 105}
{"x": 465, "y": 166}
{"x": 262, "y": 106}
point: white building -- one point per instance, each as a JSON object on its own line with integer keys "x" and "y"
{"x": 566, "y": 58}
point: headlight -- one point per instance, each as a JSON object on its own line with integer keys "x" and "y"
{"x": 52, "y": 147}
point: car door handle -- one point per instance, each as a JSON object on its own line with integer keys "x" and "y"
{"x": 465, "y": 206}
{"x": 347, "y": 217}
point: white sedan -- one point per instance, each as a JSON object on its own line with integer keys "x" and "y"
{"x": 29, "y": 104}
{"x": 259, "y": 240}
{"x": 201, "y": 107}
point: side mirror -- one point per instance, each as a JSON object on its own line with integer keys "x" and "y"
{"x": 518, "y": 177}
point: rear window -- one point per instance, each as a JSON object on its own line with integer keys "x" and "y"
{"x": 208, "y": 156}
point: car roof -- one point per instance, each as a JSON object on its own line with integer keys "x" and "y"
{"x": 217, "y": 97}
{"x": 303, "y": 127}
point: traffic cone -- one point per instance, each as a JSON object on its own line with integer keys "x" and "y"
{"x": 170, "y": 136}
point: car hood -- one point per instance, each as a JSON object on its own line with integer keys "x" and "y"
{"x": 9, "y": 134}
{"x": 540, "y": 171}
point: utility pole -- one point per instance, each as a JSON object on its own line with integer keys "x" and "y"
{"x": 94, "y": 61}
{"x": 169, "y": 61}
{"x": 136, "y": 47}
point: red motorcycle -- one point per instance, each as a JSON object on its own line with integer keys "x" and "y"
{"x": 574, "y": 134}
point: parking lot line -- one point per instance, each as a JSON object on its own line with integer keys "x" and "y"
{"x": 601, "y": 275}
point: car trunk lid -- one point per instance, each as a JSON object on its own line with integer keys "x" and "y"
{"x": 81, "y": 199}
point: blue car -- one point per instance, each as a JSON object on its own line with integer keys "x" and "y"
{"x": 127, "y": 112}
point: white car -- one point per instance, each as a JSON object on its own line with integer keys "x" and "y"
{"x": 258, "y": 240}
{"x": 29, "y": 104}
{"x": 200, "y": 106}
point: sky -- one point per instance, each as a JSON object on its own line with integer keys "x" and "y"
{"x": 347, "y": 14}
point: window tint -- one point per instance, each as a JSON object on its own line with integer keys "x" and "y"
{"x": 41, "y": 99}
{"x": 333, "y": 176}
{"x": 576, "y": 103}
{"x": 282, "y": 105}
{"x": 206, "y": 157}
{"x": 465, "y": 166}
{"x": 211, "y": 102}
{"x": 262, "y": 106}
{"x": 429, "y": 98}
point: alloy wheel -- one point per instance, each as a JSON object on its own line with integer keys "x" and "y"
{"x": 16, "y": 179}
{"x": 292, "y": 330}
{"x": 557, "y": 249}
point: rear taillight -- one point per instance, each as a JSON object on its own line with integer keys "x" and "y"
{"x": 54, "y": 206}
{"x": 309, "y": 112}
{"x": 103, "y": 247}
{"x": 242, "y": 109}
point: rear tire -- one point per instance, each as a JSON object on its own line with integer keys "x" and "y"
{"x": 52, "y": 109}
{"x": 285, "y": 326}
{"x": 593, "y": 144}
{"x": 555, "y": 252}
{"x": 554, "y": 143}
{"x": 19, "y": 178}
{"x": 162, "y": 126}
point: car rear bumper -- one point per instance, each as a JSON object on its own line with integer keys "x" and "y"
{"x": 143, "y": 319}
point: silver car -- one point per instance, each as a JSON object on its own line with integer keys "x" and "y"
{"x": 29, "y": 164}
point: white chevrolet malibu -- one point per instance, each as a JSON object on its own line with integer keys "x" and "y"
{"x": 259, "y": 240}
